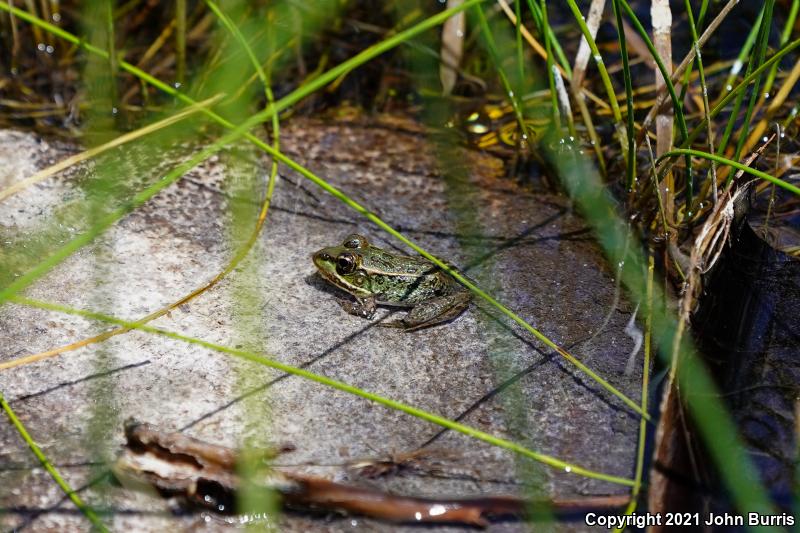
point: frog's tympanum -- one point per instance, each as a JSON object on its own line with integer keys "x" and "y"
{"x": 375, "y": 276}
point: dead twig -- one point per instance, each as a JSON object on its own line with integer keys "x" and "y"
{"x": 661, "y": 16}
{"x": 584, "y": 52}
{"x": 452, "y": 47}
{"x": 205, "y": 475}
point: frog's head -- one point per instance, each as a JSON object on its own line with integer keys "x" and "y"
{"x": 342, "y": 265}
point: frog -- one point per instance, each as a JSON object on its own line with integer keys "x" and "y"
{"x": 374, "y": 276}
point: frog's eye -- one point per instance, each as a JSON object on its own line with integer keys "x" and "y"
{"x": 345, "y": 263}
{"x": 355, "y": 241}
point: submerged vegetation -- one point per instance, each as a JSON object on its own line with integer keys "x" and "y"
{"x": 654, "y": 120}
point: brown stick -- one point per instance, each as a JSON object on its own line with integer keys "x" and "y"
{"x": 205, "y": 474}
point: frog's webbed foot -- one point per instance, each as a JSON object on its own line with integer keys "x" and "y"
{"x": 363, "y": 307}
{"x": 432, "y": 312}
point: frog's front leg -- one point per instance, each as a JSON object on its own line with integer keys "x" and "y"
{"x": 363, "y": 307}
{"x": 433, "y": 311}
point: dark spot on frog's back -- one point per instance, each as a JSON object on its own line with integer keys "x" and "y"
{"x": 380, "y": 285}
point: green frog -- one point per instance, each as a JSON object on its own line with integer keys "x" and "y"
{"x": 374, "y": 276}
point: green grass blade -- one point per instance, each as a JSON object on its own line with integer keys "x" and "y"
{"x": 551, "y": 74}
{"x": 47, "y": 465}
{"x": 180, "y": 40}
{"x": 234, "y": 30}
{"x": 491, "y": 48}
{"x": 704, "y": 91}
{"x": 265, "y": 80}
{"x": 630, "y": 167}
{"x": 518, "y": 36}
{"x": 745, "y": 50}
{"x": 648, "y": 336}
{"x": 751, "y": 64}
{"x": 253, "y": 498}
{"x": 540, "y": 17}
{"x": 598, "y": 59}
{"x": 735, "y": 164}
{"x": 757, "y": 60}
{"x": 694, "y": 27}
{"x": 785, "y": 34}
{"x": 108, "y": 9}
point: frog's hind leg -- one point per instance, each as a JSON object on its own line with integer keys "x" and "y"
{"x": 432, "y": 312}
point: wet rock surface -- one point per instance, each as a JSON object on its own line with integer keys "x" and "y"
{"x": 527, "y": 249}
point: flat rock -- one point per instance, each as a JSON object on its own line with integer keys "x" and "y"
{"x": 527, "y": 249}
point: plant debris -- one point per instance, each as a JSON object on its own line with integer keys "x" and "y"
{"x": 204, "y": 475}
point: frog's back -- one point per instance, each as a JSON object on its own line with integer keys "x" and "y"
{"x": 378, "y": 261}
{"x": 407, "y": 290}
{"x": 403, "y": 280}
